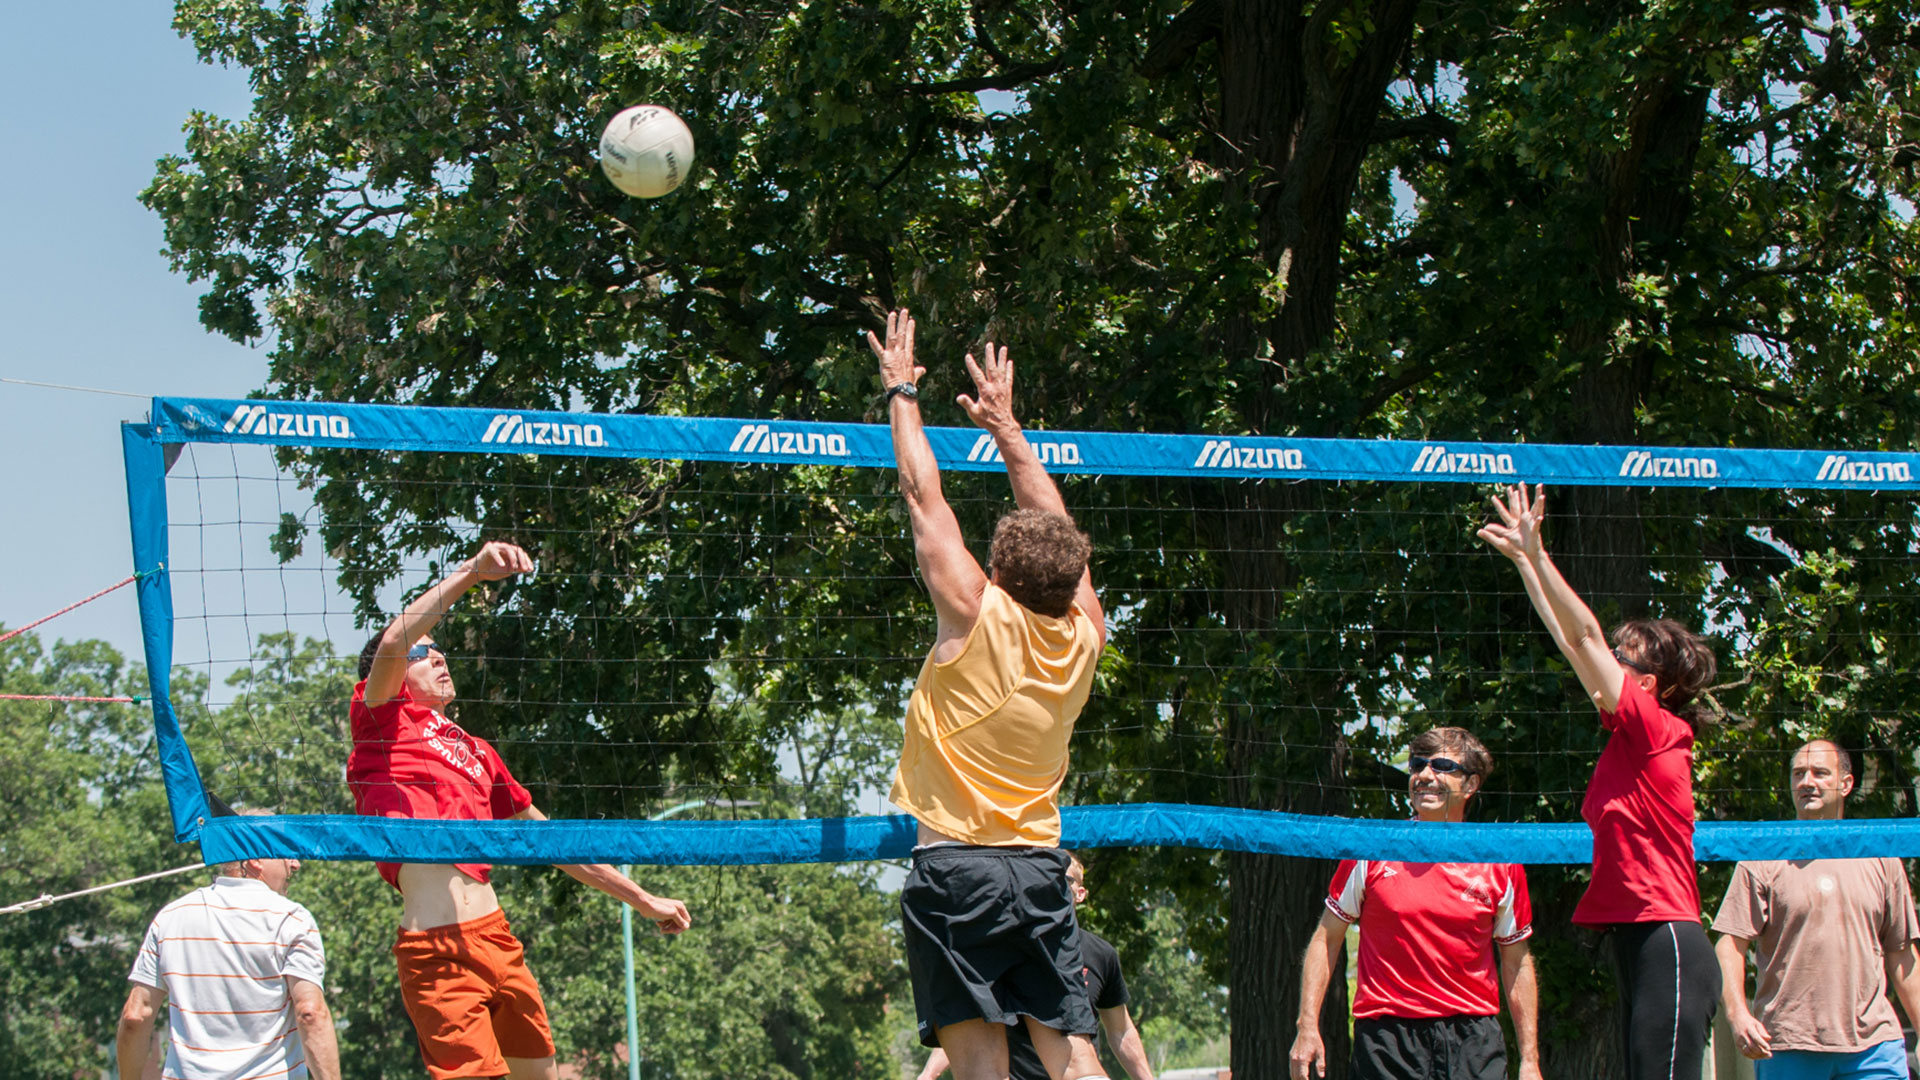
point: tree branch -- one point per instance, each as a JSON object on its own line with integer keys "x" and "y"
{"x": 1016, "y": 76}
{"x": 1430, "y": 125}
{"x": 1200, "y": 23}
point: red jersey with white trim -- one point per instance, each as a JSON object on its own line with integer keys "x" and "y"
{"x": 1640, "y": 808}
{"x": 410, "y": 761}
{"x": 1427, "y": 932}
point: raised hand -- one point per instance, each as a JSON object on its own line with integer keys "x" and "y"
{"x": 896, "y": 353}
{"x": 498, "y": 559}
{"x": 1517, "y": 534}
{"x": 993, "y": 381}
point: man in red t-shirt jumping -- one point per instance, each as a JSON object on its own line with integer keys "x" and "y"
{"x": 1428, "y": 1000}
{"x": 463, "y": 976}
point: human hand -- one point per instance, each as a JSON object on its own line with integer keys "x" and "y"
{"x": 993, "y": 381}
{"x": 1517, "y": 534}
{"x": 1529, "y": 1070}
{"x": 1751, "y": 1036}
{"x": 896, "y": 353}
{"x": 1309, "y": 1052}
{"x": 670, "y": 915}
{"x": 498, "y": 559}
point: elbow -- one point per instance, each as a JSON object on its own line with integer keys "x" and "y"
{"x": 312, "y": 1015}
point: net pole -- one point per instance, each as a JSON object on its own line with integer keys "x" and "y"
{"x": 626, "y": 941}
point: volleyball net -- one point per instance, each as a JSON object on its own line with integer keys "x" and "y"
{"x": 725, "y": 615}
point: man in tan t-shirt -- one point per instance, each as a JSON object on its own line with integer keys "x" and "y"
{"x": 986, "y": 913}
{"x": 1829, "y": 936}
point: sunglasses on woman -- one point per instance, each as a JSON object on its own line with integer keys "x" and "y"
{"x": 1634, "y": 664}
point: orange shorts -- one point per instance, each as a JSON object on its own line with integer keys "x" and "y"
{"x": 471, "y": 997}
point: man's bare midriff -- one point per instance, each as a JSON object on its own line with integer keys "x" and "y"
{"x": 439, "y": 895}
{"x": 933, "y": 836}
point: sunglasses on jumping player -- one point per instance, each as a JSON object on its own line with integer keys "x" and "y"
{"x": 1634, "y": 664}
{"x": 419, "y": 652}
{"x": 1437, "y": 764}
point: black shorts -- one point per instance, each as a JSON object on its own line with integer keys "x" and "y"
{"x": 1450, "y": 1047}
{"x": 991, "y": 936}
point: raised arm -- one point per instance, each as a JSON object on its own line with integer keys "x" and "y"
{"x": 953, "y": 575}
{"x": 1309, "y": 1055}
{"x": 1572, "y": 624}
{"x": 494, "y": 560}
{"x": 670, "y": 915}
{"x": 1033, "y": 489}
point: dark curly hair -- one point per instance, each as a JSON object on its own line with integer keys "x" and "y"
{"x": 1038, "y": 557}
{"x": 1681, "y": 661}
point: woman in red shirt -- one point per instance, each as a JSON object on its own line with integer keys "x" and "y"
{"x": 1644, "y": 894}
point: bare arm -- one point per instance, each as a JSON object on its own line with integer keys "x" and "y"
{"x": 954, "y": 578}
{"x": 1125, "y": 1040}
{"x": 492, "y": 562}
{"x": 1523, "y": 1004}
{"x": 1316, "y": 971}
{"x": 1903, "y": 975}
{"x": 315, "y": 1021}
{"x": 1749, "y": 1034}
{"x": 1573, "y": 625}
{"x": 670, "y": 915}
{"x": 1033, "y": 489}
{"x": 936, "y": 1064}
{"x": 133, "y": 1041}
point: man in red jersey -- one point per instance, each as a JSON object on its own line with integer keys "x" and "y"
{"x": 1428, "y": 1000}
{"x": 463, "y": 977}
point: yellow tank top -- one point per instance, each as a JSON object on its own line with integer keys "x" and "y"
{"x": 987, "y": 731}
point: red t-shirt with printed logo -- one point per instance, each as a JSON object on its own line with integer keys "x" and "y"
{"x": 1640, "y": 808}
{"x": 410, "y": 761}
{"x": 1427, "y": 932}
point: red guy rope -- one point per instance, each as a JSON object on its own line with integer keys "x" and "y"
{"x": 117, "y": 585}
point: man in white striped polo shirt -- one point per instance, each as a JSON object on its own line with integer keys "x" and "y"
{"x": 242, "y": 967}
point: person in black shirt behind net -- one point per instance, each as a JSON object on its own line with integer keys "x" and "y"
{"x": 1106, "y": 988}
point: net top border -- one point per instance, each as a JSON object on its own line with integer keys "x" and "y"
{"x": 433, "y": 429}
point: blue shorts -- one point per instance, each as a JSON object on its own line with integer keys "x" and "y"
{"x": 1887, "y": 1061}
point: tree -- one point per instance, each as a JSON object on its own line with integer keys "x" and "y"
{"x": 1627, "y": 223}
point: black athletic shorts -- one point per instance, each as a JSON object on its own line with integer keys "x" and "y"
{"x": 991, "y": 936}
{"x": 1446, "y": 1048}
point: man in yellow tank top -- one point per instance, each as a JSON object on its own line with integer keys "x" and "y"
{"x": 991, "y": 939}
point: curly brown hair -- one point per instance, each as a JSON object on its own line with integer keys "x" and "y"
{"x": 1681, "y": 662}
{"x": 1038, "y": 557}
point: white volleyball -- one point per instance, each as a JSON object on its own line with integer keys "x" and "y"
{"x": 646, "y": 151}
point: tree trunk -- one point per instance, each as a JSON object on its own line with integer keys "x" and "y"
{"x": 1296, "y": 119}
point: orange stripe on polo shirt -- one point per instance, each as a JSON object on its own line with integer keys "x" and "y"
{"x": 255, "y": 1076}
{"x": 236, "y": 1049}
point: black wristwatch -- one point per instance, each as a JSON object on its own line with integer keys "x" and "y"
{"x": 906, "y": 390}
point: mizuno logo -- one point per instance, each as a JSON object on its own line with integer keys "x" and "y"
{"x": 509, "y": 428}
{"x": 762, "y": 439}
{"x": 1643, "y": 463}
{"x": 1438, "y": 459}
{"x": 1838, "y": 468}
{"x": 256, "y": 420}
{"x": 1222, "y": 454}
{"x": 1050, "y": 453}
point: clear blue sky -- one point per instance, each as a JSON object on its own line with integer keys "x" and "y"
{"x": 99, "y": 92}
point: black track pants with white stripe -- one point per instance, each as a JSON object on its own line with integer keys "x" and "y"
{"x": 1669, "y": 985}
